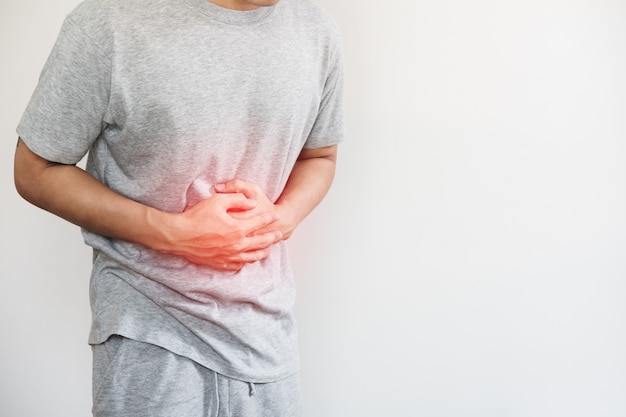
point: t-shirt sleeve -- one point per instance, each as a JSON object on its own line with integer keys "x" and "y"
{"x": 329, "y": 126}
{"x": 66, "y": 112}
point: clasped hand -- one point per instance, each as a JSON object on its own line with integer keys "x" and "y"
{"x": 236, "y": 226}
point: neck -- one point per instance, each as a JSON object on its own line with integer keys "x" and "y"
{"x": 235, "y": 4}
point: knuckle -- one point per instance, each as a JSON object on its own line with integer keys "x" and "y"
{"x": 238, "y": 247}
{"x": 239, "y": 234}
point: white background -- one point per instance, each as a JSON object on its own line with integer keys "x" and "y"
{"x": 470, "y": 259}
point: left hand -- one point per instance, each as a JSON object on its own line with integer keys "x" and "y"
{"x": 264, "y": 205}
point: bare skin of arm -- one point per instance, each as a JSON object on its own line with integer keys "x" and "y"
{"x": 206, "y": 234}
{"x": 308, "y": 183}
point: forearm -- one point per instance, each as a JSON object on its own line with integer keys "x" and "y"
{"x": 308, "y": 183}
{"x": 74, "y": 195}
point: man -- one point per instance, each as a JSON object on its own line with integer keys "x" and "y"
{"x": 212, "y": 131}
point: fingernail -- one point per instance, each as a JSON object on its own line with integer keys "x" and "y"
{"x": 219, "y": 187}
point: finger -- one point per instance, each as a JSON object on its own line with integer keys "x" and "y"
{"x": 255, "y": 223}
{"x": 237, "y": 186}
{"x": 237, "y": 201}
{"x": 230, "y": 266}
{"x": 254, "y": 255}
{"x": 255, "y": 249}
{"x": 263, "y": 241}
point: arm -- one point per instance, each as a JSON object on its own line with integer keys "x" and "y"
{"x": 205, "y": 234}
{"x": 308, "y": 183}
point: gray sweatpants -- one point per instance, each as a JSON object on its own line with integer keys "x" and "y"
{"x": 136, "y": 379}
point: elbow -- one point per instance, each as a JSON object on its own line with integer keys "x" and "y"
{"x": 25, "y": 168}
{"x": 20, "y": 180}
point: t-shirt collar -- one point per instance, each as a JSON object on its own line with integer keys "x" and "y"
{"x": 233, "y": 17}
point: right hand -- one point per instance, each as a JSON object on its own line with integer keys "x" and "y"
{"x": 206, "y": 234}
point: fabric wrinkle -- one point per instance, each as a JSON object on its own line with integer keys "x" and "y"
{"x": 252, "y": 389}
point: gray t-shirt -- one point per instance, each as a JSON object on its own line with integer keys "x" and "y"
{"x": 170, "y": 98}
